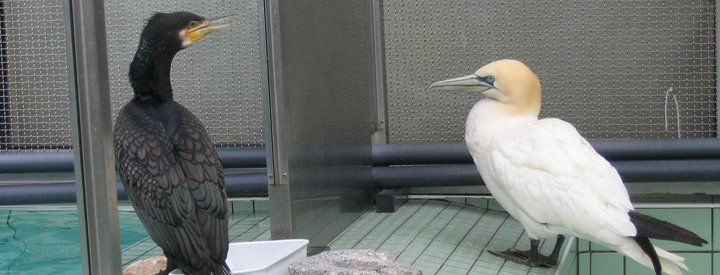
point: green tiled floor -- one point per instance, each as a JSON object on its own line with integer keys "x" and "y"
{"x": 442, "y": 237}
{"x": 454, "y": 236}
{"x": 597, "y": 259}
{"x": 249, "y": 221}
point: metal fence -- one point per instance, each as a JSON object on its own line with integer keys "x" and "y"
{"x": 616, "y": 69}
{"x": 218, "y": 79}
{"x": 34, "y": 110}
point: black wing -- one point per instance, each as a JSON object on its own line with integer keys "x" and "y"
{"x": 174, "y": 179}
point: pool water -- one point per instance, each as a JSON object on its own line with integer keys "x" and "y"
{"x": 48, "y": 241}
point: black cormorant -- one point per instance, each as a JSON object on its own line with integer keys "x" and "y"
{"x": 167, "y": 163}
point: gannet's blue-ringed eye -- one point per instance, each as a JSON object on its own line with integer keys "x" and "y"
{"x": 490, "y": 79}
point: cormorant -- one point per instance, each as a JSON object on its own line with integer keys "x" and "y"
{"x": 167, "y": 163}
{"x": 548, "y": 177}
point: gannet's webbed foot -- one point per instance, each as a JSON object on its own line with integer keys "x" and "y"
{"x": 532, "y": 257}
{"x": 522, "y": 257}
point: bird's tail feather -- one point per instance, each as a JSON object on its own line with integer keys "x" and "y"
{"x": 671, "y": 264}
{"x": 657, "y": 229}
{"x": 222, "y": 270}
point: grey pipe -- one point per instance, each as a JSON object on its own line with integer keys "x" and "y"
{"x": 48, "y": 162}
{"x": 467, "y": 174}
{"x": 399, "y": 154}
{"x": 237, "y": 185}
{"x": 456, "y": 153}
{"x": 426, "y": 176}
{"x": 255, "y": 184}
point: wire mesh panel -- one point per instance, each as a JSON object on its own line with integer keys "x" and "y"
{"x": 615, "y": 69}
{"x": 218, "y": 79}
{"x": 34, "y": 110}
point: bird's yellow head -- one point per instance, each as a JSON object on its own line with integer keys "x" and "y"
{"x": 509, "y": 82}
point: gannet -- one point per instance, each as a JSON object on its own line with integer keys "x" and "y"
{"x": 549, "y": 178}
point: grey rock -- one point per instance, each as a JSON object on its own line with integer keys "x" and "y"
{"x": 352, "y": 262}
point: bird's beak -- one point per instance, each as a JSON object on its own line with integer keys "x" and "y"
{"x": 206, "y": 27}
{"x": 468, "y": 83}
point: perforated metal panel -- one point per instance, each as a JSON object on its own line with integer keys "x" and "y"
{"x": 605, "y": 66}
{"x": 34, "y": 111}
{"x": 218, "y": 79}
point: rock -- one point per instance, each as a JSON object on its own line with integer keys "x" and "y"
{"x": 148, "y": 266}
{"x": 355, "y": 262}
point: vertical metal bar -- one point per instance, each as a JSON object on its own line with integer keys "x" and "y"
{"x": 4, "y": 83}
{"x": 275, "y": 90}
{"x": 381, "y": 134}
{"x": 717, "y": 69}
{"x": 92, "y": 139}
{"x": 265, "y": 89}
{"x": 279, "y": 190}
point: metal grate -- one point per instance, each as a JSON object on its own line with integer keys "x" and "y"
{"x": 34, "y": 111}
{"x": 218, "y": 79}
{"x": 606, "y": 66}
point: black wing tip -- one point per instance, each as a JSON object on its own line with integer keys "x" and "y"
{"x": 651, "y": 227}
{"x": 649, "y": 249}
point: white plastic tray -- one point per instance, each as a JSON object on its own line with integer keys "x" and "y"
{"x": 263, "y": 258}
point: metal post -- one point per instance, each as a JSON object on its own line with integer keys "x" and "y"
{"x": 277, "y": 162}
{"x": 92, "y": 139}
{"x": 265, "y": 88}
{"x": 381, "y": 122}
{"x": 717, "y": 69}
{"x": 274, "y": 111}
{"x": 4, "y": 82}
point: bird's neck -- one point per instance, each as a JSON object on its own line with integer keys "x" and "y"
{"x": 150, "y": 73}
{"x": 489, "y": 111}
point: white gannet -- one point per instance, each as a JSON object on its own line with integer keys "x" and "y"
{"x": 547, "y": 176}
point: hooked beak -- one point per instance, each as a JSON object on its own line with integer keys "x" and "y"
{"x": 206, "y": 27}
{"x": 468, "y": 83}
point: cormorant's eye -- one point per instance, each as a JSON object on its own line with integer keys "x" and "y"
{"x": 490, "y": 79}
{"x": 193, "y": 24}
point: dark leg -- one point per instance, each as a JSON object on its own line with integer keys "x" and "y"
{"x": 553, "y": 258}
{"x": 532, "y": 257}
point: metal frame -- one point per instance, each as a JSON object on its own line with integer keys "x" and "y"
{"x": 92, "y": 138}
{"x": 277, "y": 162}
{"x": 717, "y": 68}
{"x": 5, "y": 87}
{"x": 380, "y": 96}
{"x": 265, "y": 90}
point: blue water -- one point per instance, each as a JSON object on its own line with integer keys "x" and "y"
{"x": 48, "y": 242}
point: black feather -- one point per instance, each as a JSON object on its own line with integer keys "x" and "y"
{"x": 657, "y": 229}
{"x": 649, "y": 249}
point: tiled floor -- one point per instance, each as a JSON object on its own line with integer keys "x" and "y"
{"x": 596, "y": 259}
{"x": 442, "y": 237}
{"x": 453, "y": 236}
{"x": 438, "y": 236}
{"x": 249, "y": 221}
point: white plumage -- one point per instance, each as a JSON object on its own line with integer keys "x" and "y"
{"x": 543, "y": 172}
